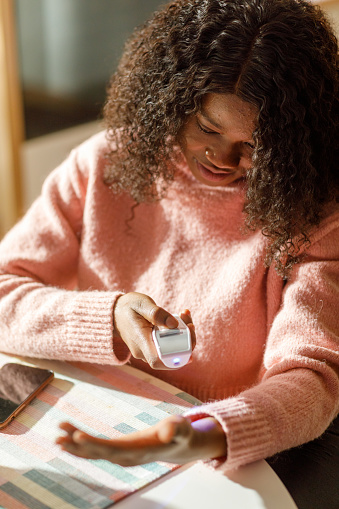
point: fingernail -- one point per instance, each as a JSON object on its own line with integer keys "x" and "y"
{"x": 171, "y": 322}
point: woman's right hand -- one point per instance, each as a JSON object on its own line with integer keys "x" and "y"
{"x": 134, "y": 316}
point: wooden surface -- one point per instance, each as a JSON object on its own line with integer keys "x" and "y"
{"x": 11, "y": 120}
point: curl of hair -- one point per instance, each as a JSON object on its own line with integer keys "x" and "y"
{"x": 281, "y": 56}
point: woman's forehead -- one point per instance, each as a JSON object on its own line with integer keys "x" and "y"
{"x": 228, "y": 110}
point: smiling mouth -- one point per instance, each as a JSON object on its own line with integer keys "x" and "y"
{"x": 215, "y": 175}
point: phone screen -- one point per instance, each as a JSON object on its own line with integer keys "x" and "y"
{"x": 19, "y": 384}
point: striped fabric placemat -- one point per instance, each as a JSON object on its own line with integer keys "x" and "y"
{"x": 102, "y": 400}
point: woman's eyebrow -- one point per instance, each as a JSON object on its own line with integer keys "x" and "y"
{"x": 205, "y": 115}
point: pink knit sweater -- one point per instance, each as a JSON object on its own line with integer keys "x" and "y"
{"x": 267, "y": 357}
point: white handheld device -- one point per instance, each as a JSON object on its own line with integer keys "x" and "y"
{"x": 174, "y": 346}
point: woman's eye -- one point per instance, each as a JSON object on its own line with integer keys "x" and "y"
{"x": 250, "y": 145}
{"x": 204, "y": 129}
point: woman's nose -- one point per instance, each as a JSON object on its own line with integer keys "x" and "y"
{"x": 222, "y": 158}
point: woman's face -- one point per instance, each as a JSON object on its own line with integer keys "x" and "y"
{"x": 217, "y": 142}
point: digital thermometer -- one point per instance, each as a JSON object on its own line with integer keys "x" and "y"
{"x": 174, "y": 346}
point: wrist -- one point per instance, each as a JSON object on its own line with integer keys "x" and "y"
{"x": 211, "y": 437}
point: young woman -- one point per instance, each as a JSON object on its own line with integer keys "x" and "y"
{"x": 215, "y": 187}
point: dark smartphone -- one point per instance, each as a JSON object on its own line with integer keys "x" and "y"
{"x": 19, "y": 384}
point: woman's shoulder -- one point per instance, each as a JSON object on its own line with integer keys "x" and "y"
{"x": 97, "y": 146}
{"x": 326, "y": 235}
{"x": 84, "y": 166}
{"x": 329, "y": 222}
{"x": 89, "y": 159}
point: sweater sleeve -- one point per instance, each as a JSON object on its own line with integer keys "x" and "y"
{"x": 41, "y": 312}
{"x": 298, "y": 394}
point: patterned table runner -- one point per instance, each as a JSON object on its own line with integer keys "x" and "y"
{"x": 102, "y": 400}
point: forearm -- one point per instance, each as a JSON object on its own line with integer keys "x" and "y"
{"x": 280, "y": 413}
{"x": 42, "y": 321}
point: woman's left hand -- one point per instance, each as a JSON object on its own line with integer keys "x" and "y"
{"x": 174, "y": 440}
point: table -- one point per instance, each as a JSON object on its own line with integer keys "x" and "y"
{"x": 107, "y": 401}
{"x": 254, "y": 486}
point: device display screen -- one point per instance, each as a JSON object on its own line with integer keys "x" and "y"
{"x": 173, "y": 343}
{"x": 18, "y": 386}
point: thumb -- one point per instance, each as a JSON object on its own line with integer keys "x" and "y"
{"x": 173, "y": 428}
{"x": 147, "y": 308}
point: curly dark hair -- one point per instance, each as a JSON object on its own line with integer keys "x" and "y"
{"x": 281, "y": 56}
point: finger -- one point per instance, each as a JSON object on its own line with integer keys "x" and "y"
{"x": 172, "y": 428}
{"x": 144, "y": 349}
{"x": 126, "y": 450}
{"x": 138, "y": 440}
{"x": 71, "y": 432}
{"x": 135, "y": 348}
{"x": 135, "y": 315}
{"x": 154, "y": 314}
{"x": 193, "y": 336}
{"x": 81, "y": 444}
{"x": 64, "y": 440}
{"x": 168, "y": 441}
{"x": 122, "y": 454}
{"x": 81, "y": 450}
{"x": 186, "y": 317}
{"x": 68, "y": 427}
{"x": 147, "y": 309}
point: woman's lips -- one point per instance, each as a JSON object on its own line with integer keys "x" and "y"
{"x": 212, "y": 175}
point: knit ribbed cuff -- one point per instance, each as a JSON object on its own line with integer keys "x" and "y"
{"x": 89, "y": 334}
{"x": 248, "y": 435}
